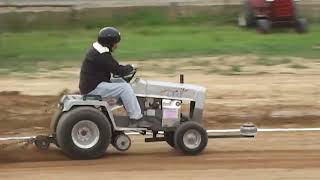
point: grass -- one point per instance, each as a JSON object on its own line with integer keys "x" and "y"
{"x": 24, "y": 51}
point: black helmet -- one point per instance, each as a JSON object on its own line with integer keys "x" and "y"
{"x": 108, "y": 36}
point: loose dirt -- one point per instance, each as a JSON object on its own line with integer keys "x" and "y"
{"x": 269, "y": 156}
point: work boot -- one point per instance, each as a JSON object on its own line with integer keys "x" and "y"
{"x": 133, "y": 123}
{"x": 142, "y": 123}
{"x": 139, "y": 123}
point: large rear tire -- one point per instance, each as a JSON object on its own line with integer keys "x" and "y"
{"x": 190, "y": 138}
{"x": 84, "y": 133}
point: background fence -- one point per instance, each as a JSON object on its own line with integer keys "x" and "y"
{"x": 123, "y": 3}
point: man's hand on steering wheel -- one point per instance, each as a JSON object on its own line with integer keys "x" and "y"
{"x": 130, "y": 76}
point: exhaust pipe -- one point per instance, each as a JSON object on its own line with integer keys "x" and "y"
{"x": 181, "y": 79}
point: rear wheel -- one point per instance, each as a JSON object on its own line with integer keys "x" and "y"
{"x": 190, "y": 138}
{"x": 84, "y": 133}
{"x": 263, "y": 25}
{"x": 247, "y": 17}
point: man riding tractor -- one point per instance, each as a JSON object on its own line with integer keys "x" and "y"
{"x": 85, "y": 125}
{"x": 95, "y": 76}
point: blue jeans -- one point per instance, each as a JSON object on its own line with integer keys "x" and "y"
{"x": 120, "y": 89}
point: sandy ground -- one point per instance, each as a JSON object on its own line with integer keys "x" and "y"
{"x": 268, "y": 156}
{"x": 270, "y": 96}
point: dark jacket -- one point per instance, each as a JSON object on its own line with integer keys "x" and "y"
{"x": 97, "y": 67}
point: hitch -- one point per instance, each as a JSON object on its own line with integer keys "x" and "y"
{"x": 155, "y": 138}
{"x": 247, "y": 130}
{"x": 43, "y": 142}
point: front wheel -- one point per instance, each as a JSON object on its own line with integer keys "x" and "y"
{"x": 84, "y": 133}
{"x": 190, "y": 138}
{"x": 301, "y": 25}
{"x": 247, "y": 16}
{"x": 263, "y": 26}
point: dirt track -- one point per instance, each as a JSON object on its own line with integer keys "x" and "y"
{"x": 269, "y": 156}
{"x": 283, "y": 97}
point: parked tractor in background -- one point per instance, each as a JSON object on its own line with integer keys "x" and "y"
{"x": 264, "y": 14}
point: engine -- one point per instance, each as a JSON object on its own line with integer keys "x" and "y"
{"x": 167, "y": 112}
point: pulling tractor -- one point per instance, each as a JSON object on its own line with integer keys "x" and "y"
{"x": 85, "y": 125}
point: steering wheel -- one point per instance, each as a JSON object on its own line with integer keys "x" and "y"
{"x": 128, "y": 77}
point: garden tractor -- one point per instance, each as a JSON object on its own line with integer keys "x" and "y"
{"x": 268, "y": 13}
{"x": 85, "y": 125}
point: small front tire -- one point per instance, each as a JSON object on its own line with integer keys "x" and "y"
{"x": 190, "y": 138}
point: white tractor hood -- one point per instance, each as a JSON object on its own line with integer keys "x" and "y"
{"x": 168, "y": 90}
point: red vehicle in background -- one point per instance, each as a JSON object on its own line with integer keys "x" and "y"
{"x": 267, "y": 13}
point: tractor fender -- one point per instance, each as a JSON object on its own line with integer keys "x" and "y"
{"x": 68, "y": 105}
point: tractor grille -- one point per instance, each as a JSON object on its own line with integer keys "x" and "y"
{"x": 283, "y": 8}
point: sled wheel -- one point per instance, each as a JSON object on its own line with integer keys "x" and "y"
{"x": 121, "y": 142}
{"x": 42, "y": 142}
